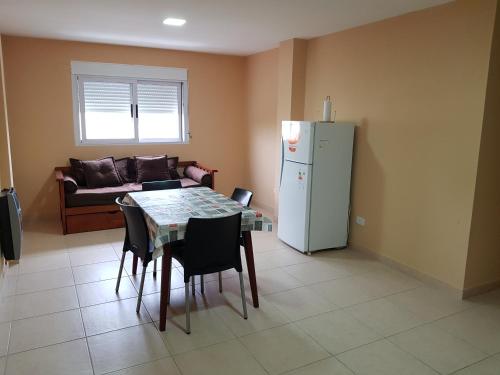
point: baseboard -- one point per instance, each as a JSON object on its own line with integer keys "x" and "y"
{"x": 480, "y": 289}
{"x": 427, "y": 279}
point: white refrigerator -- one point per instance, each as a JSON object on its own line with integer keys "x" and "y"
{"x": 315, "y": 184}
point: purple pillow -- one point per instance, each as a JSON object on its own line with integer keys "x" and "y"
{"x": 77, "y": 171}
{"x": 101, "y": 173}
{"x": 151, "y": 168}
{"x": 70, "y": 185}
{"x": 172, "y": 167}
{"x": 126, "y": 169}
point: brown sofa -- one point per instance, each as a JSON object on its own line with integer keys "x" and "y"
{"x": 89, "y": 209}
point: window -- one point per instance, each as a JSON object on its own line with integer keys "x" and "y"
{"x": 129, "y": 104}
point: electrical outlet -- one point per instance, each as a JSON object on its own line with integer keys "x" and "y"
{"x": 360, "y": 221}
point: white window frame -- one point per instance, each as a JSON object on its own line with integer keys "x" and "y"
{"x": 133, "y": 75}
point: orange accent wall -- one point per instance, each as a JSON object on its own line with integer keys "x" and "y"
{"x": 38, "y": 82}
{"x": 416, "y": 87}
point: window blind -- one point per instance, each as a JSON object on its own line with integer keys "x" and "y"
{"x": 106, "y": 96}
{"x": 153, "y": 98}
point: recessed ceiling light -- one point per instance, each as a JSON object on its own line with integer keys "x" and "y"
{"x": 174, "y": 21}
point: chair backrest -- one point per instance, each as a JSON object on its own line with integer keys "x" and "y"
{"x": 136, "y": 237}
{"x": 161, "y": 185}
{"x": 243, "y": 196}
{"x": 212, "y": 245}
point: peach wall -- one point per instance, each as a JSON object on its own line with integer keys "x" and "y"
{"x": 262, "y": 94}
{"x": 483, "y": 260}
{"x": 416, "y": 86}
{"x": 38, "y": 82}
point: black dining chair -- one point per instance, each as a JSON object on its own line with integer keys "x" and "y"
{"x": 161, "y": 185}
{"x": 136, "y": 241}
{"x": 244, "y": 197}
{"x": 210, "y": 245}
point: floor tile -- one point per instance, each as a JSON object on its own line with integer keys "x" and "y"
{"x": 489, "y": 366}
{"x": 4, "y": 338}
{"x": 323, "y": 367}
{"x": 97, "y": 272}
{"x": 264, "y": 317}
{"x": 283, "y": 348}
{"x": 104, "y": 291}
{"x": 153, "y": 284}
{"x": 45, "y": 330}
{"x": 346, "y": 291}
{"x": 385, "y": 317}
{"x": 383, "y": 358}
{"x": 111, "y": 316}
{"x": 437, "y": 348}
{"x": 206, "y": 329}
{"x": 279, "y": 258}
{"x": 33, "y": 282}
{"x": 275, "y": 280}
{"x": 337, "y": 331}
{"x": 62, "y": 359}
{"x": 91, "y": 255}
{"x": 47, "y": 262}
{"x": 125, "y": 348}
{"x": 165, "y": 366}
{"x": 44, "y": 302}
{"x": 476, "y": 327}
{"x": 230, "y": 357}
{"x": 430, "y": 303}
{"x": 316, "y": 271}
{"x": 301, "y": 303}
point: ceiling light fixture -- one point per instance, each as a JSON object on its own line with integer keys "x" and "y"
{"x": 174, "y": 21}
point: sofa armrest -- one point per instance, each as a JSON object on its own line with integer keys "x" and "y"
{"x": 210, "y": 171}
{"x": 58, "y": 172}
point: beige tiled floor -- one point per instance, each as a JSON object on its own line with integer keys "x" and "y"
{"x": 336, "y": 312}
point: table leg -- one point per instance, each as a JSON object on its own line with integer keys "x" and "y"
{"x": 247, "y": 240}
{"x": 166, "y": 264}
{"x": 134, "y": 264}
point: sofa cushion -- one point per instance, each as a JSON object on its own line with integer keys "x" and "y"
{"x": 77, "y": 171}
{"x": 126, "y": 169}
{"x": 101, "y": 173}
{"x": 199, "y": 175}
{"x": 172, "y": 167}
{"x": 70, "y": 185}
{"x": 99, "y": 196}
{"x": 151, "y": 168}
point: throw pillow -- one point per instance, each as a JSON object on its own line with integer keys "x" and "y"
{"x": 70, "y": 185}
{"x": 199, "y": 175}
{"x": 151, "y": 168}
{"x": 172, "y": 167}
{"x": 77, "y": 171}
{"x": 101, "y": 173}
{"x": 126, "y": 169}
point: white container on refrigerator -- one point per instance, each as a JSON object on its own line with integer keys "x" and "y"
{"x": 314, "y": 195}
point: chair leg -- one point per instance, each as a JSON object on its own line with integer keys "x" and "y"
{"x": 139, "y": 298}
{"x": 192, "y": 285}
{"x": 202, "y": 284}
{"x": 120, "y": 272}
{"x": 243, "y": 299}
{"x": 170, "y": 278}
{"x": 188, "y": 306}
{"x": 154, "y": 268}
{"x": 220, "y": 282}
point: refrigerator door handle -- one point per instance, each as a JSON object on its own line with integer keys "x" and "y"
{"x": 282, "y": 159}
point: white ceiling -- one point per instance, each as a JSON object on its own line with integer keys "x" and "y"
{"x": 222, "y": 26}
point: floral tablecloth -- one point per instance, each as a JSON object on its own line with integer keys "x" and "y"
{"x": 168, "y": 211}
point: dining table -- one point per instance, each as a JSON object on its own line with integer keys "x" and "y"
{"x": 167, "y": 213}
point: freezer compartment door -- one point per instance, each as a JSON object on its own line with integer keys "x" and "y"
{"x": 294, "y": 205}
{"x": 298, "y": 141}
